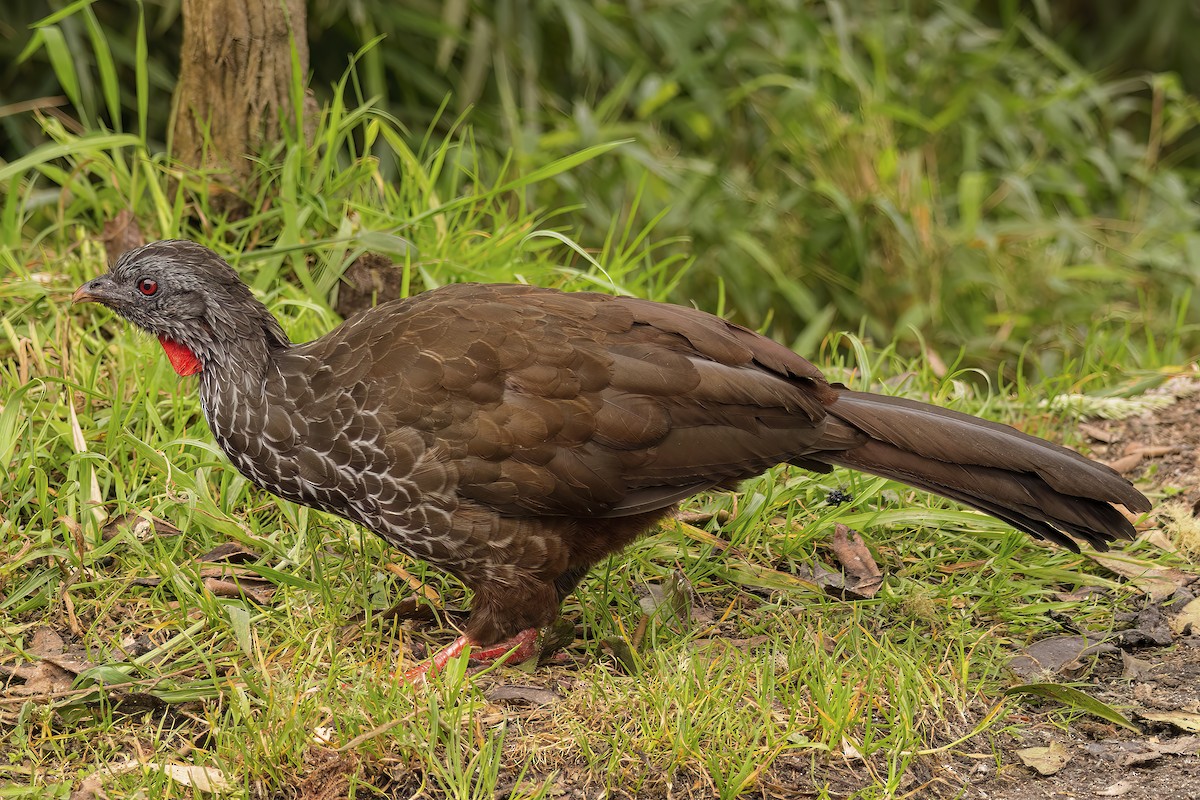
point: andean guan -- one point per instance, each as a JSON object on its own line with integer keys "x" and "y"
{"x": 514, "y": 435}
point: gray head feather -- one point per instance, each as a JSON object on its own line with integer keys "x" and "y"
{"x": 198, "y": 301}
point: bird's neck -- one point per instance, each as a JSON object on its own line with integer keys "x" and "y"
{"x": 233, "y": 385}
{"x": 231, "y": 340}
{"x": 232, "y": 355}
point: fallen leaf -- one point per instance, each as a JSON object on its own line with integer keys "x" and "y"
{"x": 22, "y": 671}
{"x": 142, "y": 524}
{"x": 623, "y": 652}
{"x": 1183, "y": 720}
{"x": 863, "y": 577}
{"x": 46, "y": 642}
{"x": 1126, "y": 464}
{"x": 1119, "y": 788}
{"x": 47, "y": 678}
{"x": 1184, "y": 744}
{"x": 1159, "y": 538}
{"x": 850, "y": 751}
{"x": 92, "y": 786}
{"x": 202, "y": 779}
{"x": 533, "y": 695}
{"x": 1052, "y": 656}
{"x": 1152, "y": 450}
{"x": 1134, "y": 669}
{"x": 949, "y": 569}
{"x": 1158, "y": 582}
{"x": 701, "y": 517}
{"x": 1187, "y": 621}
{"x": 1082, "y": 593}
{"x": 554, "y": 637}
{"x": 1046, "y": 760}
{"x": 1097, "y": 433}
{"x": 93, "y": 500}
{"x": 88, "y": 789}
{"x": 229, "y": 553}
{"x": 1143, "y": 751}
{"x": 56, "y": 666}
{"x": 236, "y": 590}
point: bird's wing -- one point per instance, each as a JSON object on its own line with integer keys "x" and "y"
{"x": 581, "y": 404}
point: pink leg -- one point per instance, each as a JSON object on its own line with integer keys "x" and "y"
{"x": 517, "y": 649}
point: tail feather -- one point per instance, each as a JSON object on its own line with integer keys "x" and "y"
{"x": 1046, "y": 490}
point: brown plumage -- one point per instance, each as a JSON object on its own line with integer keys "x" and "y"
{"x": 514, "y": 435}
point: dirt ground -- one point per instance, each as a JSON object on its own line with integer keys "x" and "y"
{"x": 1156, "y": 674}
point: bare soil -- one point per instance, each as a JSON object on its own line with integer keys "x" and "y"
{"x": 1105, "y": 760}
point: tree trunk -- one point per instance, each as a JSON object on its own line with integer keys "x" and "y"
{"x": 235, "y": 81}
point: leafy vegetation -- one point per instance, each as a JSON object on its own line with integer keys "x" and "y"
{"x": 916, "y": 174}
{"x": 924, "y": 178}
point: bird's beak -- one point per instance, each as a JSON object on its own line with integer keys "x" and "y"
{"x": 98, "y": 290}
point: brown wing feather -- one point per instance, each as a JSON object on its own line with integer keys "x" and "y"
{"x": 583, "y": 404}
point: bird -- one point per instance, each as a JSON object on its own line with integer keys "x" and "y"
{"x": 515, "y": 435}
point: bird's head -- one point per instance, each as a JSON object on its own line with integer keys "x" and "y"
{"x": 188, "y": 297}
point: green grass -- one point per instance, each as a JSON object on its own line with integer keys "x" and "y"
{"x": 769, "y": 683}
{"x": 987, "y": 178}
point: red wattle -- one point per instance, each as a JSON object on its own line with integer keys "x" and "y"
{"x": 182, "y": 359}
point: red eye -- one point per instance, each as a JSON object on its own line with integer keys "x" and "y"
{"x": 147, "y": 286}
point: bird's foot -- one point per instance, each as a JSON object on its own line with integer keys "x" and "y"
{"x": 523, "y": 646}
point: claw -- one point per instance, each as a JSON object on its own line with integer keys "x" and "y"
{"x": 523, "y": 646}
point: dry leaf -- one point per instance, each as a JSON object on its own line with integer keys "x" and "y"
{"x": 1144, "y": 751}
{"x": 1151, "y": 450}
{"x": 229, "y": 553}
{"x": 1082, "y": 593}
{"x": 1187, "y": 621}
{"x": 1158, "y": 582}
{"x": 850, "y": 751}
{"x": 1126, "y": 464}
{"x": 46, "y": 642}
{"x": 533, "y": 695}
{"x": 93, "y": 500}
{"x": 670, "y": 599}
{"x": 1135, "y": 669}
{"x": 142, "y": 524}
{"x": 1055, "y": 655}
{"x": 1046, "y": 760}
{"x": 91, "y": 787}
{"x": 1183, "y": 720}
{"x": 1159, "y": 538}
{"x": 46, "y": 678}
{"x": 1097, "y": 433}
{"x": 702, "y": 517}
{"x": 863, "y": 578}
{"x": 202, "y": 779}
{"x": 238, "y": 589}
{"x": 1119, "y": 788}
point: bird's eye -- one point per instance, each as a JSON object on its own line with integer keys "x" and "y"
{"x": 147, "y": 286}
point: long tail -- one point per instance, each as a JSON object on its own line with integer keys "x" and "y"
{"x": 1032, "y": 484}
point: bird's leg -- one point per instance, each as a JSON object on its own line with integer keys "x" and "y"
{"x": 523, "y": 646}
